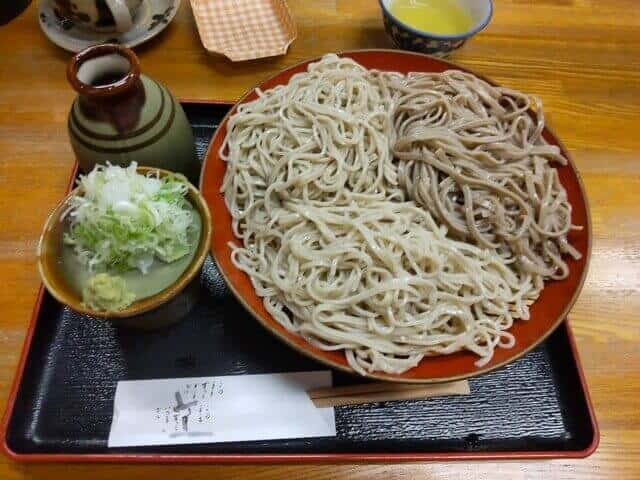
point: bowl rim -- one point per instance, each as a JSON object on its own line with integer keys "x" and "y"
{"x": 424, "y": 34}
{"x": 142, "y": 305}
{"x": 377, "y": 375}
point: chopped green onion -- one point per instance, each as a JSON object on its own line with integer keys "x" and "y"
{"x": 125, "y": 220}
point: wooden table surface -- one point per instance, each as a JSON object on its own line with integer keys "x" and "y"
{"x": 582, "y": 57}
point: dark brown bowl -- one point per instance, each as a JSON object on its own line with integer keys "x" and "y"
{"x": 155, "y": 311}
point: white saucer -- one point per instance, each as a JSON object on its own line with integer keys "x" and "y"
{"x": 152, "y": 17}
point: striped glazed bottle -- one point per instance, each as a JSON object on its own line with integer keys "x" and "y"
{"x": 121, "y": 115}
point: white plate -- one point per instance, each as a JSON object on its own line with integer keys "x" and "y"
{"x": 152, "y": 17}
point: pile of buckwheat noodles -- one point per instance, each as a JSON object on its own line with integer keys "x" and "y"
{"x": 393, "y": 216}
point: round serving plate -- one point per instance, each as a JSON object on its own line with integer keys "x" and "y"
{"x": 547, "y": 312}
{"x": 152, "y": 18}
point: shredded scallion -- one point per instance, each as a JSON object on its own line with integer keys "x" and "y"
{"x": 124, "y": 220}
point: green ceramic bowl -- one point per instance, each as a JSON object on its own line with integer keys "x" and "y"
{"x": 163, "y": 308}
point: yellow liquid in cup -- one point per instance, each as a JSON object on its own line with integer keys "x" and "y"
{"x": 442, "y": 17}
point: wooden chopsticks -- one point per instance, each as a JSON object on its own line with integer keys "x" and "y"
{"x": 383, "y": 392}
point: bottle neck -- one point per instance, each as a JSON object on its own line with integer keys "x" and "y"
{"x": 107, "y": 79}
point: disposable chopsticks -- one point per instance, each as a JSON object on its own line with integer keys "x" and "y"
{"x": 383, "y": 392}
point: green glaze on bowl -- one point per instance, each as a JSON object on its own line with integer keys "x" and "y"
{"x": 160, "y": 276}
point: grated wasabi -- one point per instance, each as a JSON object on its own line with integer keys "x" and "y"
{"x": 106, "y": 292}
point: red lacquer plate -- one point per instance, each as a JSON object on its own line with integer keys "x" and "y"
{"x": 547, "y": 313}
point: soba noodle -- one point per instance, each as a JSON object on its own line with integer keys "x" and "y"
{"x": 395, "y": 217}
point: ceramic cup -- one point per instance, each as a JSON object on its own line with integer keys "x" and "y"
{"x": 99, "y": 15}
{"x": 407, "y": 37}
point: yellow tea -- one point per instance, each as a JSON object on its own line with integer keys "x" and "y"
{"x": 442, "y": 17}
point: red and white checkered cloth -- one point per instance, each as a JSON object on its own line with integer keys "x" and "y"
{"x": 244, "y": 29}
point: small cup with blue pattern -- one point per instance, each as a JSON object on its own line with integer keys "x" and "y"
{"x": 407, "y": 37}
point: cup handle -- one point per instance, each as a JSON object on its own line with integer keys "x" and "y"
{"x": 121, "y": 14}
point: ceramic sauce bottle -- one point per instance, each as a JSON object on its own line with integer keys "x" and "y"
{"x": 121, "y": 115}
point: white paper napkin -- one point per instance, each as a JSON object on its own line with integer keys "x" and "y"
{"x": 219, "y": 409}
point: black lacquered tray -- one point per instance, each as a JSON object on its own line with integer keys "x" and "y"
{"x": 61, "y": 405}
